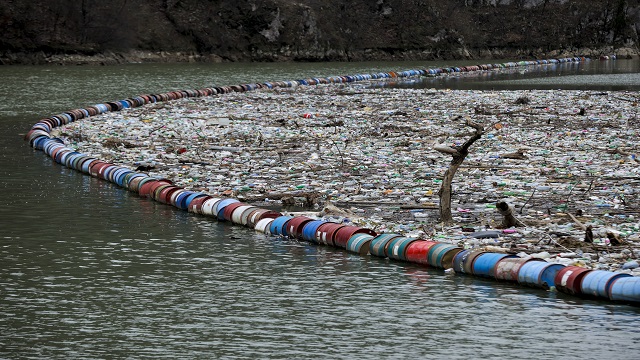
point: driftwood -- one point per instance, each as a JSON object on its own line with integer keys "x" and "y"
{"x": 330, "y": 209}
{"x": 506, "y": 211}
{"x": 518, "y": 155}
{"x": 311, "y": 197}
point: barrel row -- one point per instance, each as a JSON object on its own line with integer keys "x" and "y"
{"x": 44, "y": 126}
{"x": 572, "y": 280}
{"x": 530, "y": 272}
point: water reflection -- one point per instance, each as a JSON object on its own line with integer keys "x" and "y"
{"x": 594, "y": 75}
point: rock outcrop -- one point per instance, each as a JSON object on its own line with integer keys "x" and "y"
{"x": 118, "y": 31}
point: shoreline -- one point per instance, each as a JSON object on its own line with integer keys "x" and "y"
{"x": 316, "y": 143}
{"x": 134, "y": 56}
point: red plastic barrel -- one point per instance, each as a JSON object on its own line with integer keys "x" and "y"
{"x": 295, "y": 226}
{"x": 196, "y": 204}
{"x": 166, "y": 193}
{"x": 325, "y": 233}
{"x": 569, "y": 279}
{"x": 417, "y": 251}
{"x": 343, "y": 235}
{"x": 227, "y": 213}
{"x": 156, "y": 186}
{"x": 95, "y": 167}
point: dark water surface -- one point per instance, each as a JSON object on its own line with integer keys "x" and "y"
{"x": 89, "y": 270}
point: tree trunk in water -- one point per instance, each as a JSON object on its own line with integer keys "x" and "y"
{"x": 458, "y": 155}
{"x": 445, "y": 190}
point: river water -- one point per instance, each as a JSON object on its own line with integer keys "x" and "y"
{"x": 89, "y": 270}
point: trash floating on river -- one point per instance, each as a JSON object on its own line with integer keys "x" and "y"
{"x": 372, "y": 150}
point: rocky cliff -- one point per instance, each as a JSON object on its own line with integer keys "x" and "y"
{"x": 76, "y": 31}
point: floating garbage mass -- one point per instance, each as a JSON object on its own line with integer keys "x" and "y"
{"x": 376, "y": 240}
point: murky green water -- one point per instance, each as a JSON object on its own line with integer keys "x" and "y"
{"x": 90, "y": 271}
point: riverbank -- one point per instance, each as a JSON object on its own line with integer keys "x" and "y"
{"x": 565, "y": 159}
{"x": 288, "y": 55}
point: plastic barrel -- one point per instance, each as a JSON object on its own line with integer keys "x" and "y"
{"x": 278, "y": 226}
{"x": 437, "y": 252}
{"x": 538, "y": 274}
{"x": 161, "y": 193}
{"x": 236, "y": 215}
{"x": 186, "y": 203}
{"x": 569, "y": 279}
{"x": 147, "y": 189}
{"x": 243, "y": 215}
{"x": 379, "y": 244}
{"x": 359, "y": 244}
{"x": 264, "y": 225}
{"x": 309, "y": 230}
{"x": 485, "y": 264}
{"x": 625, "y": 289}
{"x": 345, "y": 233}
{"x": 144, "y": 188}
{"x": 180, "y": 201}
{"x": 459, "y": 260}
{"x": 195, "y": 206}
{"x": 397, "y": 247}
{"x": 446, "y": 259}
{"x": 166, "y": 194}
{"x": 173, "y": 197}
{"x": 467, "y": 263}
{"x": 87, "y": 163}
{"x": 507, "y": 269}
{"x": 227, "y": 213}
{"x": 95, "y": 167}
{"x": 597, "y": 283}
{"x": 134, "y": 183}
{"x": 250, "y": 215}
{"x": 417, "y": 251}
{"x": 129, "y": 179}
{"x": 325, "y": 233}
{"x": 262, "y": 214}
{"x": 218, "y": 210}
{"x": 296, "y": 225}
{"x": 208, "y": 205}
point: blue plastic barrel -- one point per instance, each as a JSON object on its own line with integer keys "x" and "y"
{"x": 185, "y": 202}
{"x": 597, "y": 283}
{"x": 125, "y": 177}
{"x": 278, "y": 225}
{"x": 459, "y": 259}
{"x": 309, "y": 230}
{"x": 181, "y": 199}
{"x": 538, "y": 274}
{"x": 625, "y": 289}
{"x": 128, "y": 180}
{"x": 221, "y": 205}
{"x": 485, "y": 264}
{"x": 86, "y": 163}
